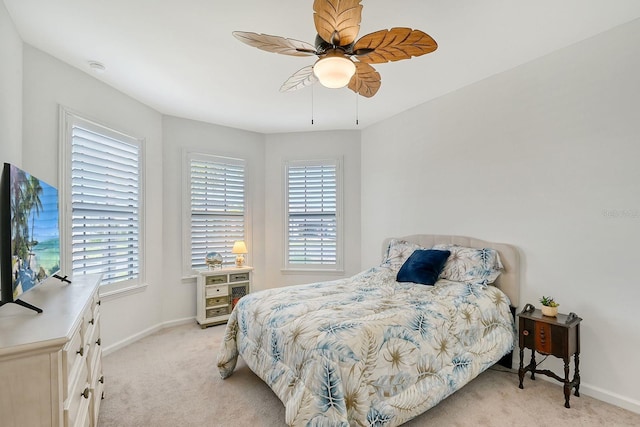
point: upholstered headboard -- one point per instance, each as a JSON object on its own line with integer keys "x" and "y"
{"x": 509, "y": 279}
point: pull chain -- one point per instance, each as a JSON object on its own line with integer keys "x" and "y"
{"x": 357, "y": 110}
{"x": 312, "y": 104}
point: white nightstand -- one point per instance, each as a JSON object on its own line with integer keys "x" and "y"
{"x": 218, "y": 292}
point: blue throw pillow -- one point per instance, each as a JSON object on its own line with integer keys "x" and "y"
{"x": 423, "y": 266}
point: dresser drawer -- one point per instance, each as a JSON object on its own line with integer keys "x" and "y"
{"x": 95, "y": 309}
{"x": 83, "y": 418}
{"x": 213, "y": 291}
{"x": 72, "y": 358}
{"x": 79, "y": 395}
{"x": 95, "y": 369}
{"x": 87, "y": 318}
{"x": 93, "y": 341}
{"x": 97, "y": 389}
{"x": 95, "y": 302}
{"x": 215, "y": 280}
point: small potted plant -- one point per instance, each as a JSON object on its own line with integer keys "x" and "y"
{"x": 549, "y": 306}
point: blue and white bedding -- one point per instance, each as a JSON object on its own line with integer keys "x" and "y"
{"x": 367, "y": 350}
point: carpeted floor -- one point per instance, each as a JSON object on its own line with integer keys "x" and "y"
{"x": 170, "y": 379}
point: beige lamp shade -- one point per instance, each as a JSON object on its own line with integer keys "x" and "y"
{"x": 239, "y": 248}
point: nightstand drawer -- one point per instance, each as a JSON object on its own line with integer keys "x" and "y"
{"x": 543, "y": 338}
{"x": 216, "y": 312}
{"x": 217, "y": 301}
{"x": 213, "y": 292}
{"x": 238, "y": 277}
{"x": 215, "y": 280}
{"x": 547, "y": 338}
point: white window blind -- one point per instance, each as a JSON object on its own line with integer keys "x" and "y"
{"x": 217, "y": 192}
{"x": 312, "y": 206}
{"x": 105, "y": 203}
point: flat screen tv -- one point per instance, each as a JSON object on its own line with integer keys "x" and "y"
{"x": 29, "y": 234}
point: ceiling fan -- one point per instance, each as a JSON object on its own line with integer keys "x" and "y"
{"x": 343, "y": 60}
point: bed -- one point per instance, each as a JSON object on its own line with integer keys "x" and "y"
{"x": 371, "y": 351}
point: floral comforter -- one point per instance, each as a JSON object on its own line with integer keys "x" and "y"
{"x": 367, "y": 350}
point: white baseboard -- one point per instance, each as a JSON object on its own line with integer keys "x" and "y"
{"x": 590, "y": 390}
{"x": 136, "y": 337}
{"x": 178, "y": 322}
{"x": 597, "y": 393}
{"x": 610, "y": 397}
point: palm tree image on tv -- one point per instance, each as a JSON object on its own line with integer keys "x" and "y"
{"x": 34, "y": 230}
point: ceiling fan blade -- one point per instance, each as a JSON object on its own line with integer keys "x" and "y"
{"x": 366, "y": 81}
{"x": 276, "y": 44}
{"x": 337, "y": 21}
{"x": 393, "y": 45}
{"x": 302, "y": 78}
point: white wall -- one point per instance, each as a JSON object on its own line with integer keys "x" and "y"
{"x": 543, "y": 157}
{"x": 48, "y": 83}
{"x": 10, "y": 90}
{"x": 169, "y": 297}
{"x": 180, "y": 135}
{"x": 310, "y": 146}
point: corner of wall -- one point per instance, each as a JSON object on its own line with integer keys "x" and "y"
{"x": 11, "y": 88}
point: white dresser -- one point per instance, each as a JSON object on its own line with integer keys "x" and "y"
{"x": 51, "y": 363}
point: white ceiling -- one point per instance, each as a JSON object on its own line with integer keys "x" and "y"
{"x": 180, "y": 58}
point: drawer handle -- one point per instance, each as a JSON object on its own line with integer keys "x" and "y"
{"x": 99, "y": 341}
{"x": 81, "y": 351}
{"x": 525, "y": 333}
{"x": 92, "y": 321}
{"x": 85, "y": 393}
{"x": 101, "y": 380}
{"x": 99, "y": 302}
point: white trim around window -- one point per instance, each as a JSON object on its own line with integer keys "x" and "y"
{"x": 101, "y": 182}
{"x": 215, "y": 208}
{"x": 313, "y": 217}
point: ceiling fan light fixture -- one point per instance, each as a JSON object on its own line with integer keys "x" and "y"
{"x": 344, "y": 60}
{"x": 334, "y": 71}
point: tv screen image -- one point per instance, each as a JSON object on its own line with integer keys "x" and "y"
{"x": 32, "y": 226}
{"x": 35, "y": 236}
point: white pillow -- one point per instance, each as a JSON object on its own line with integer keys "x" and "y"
{"x": 470, "y": 265}
{"x": 398, "y": 252}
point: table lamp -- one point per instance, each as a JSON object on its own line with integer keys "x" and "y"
{"x": 239, "y": 248}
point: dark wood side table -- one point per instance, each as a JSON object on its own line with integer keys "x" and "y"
{"x": 558, "y": 336}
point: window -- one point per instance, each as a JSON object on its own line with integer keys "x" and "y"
{"x": 216, "y": 216}
{"x": 103, "y": 192}
{"x": 313, "y": 207}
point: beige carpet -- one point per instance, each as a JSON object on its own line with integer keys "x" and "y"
{"x": 170, "y": 379}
